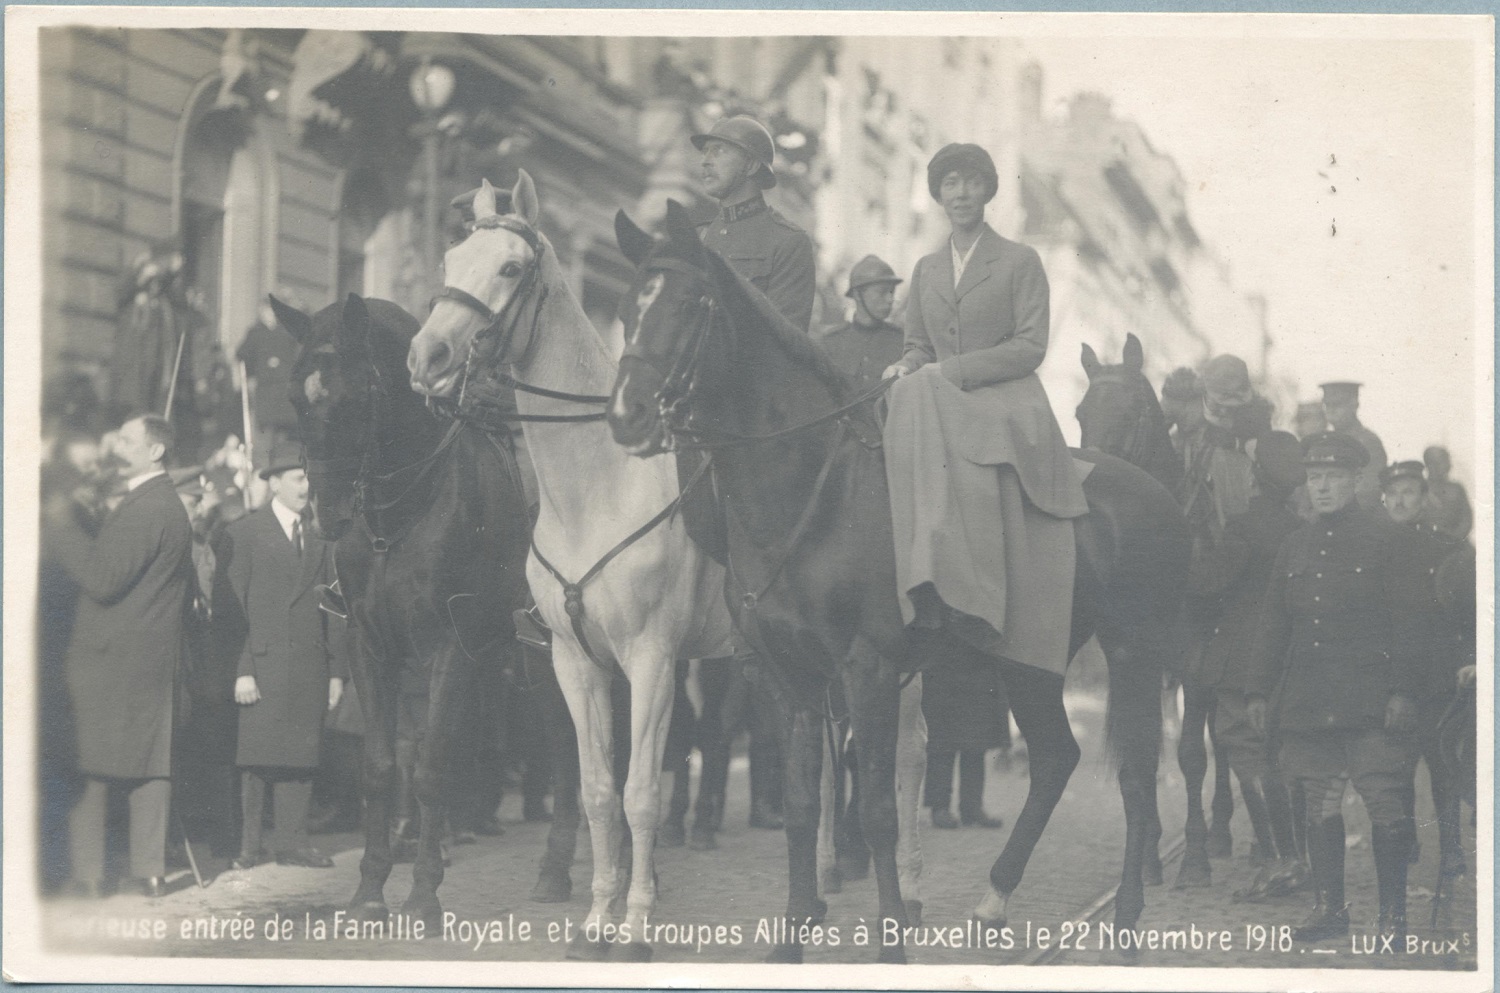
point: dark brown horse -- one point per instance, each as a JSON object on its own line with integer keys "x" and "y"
{"x": 805, "y": 510}
{"x": 1120, "y": 414}
{"x": 431, "y": 530}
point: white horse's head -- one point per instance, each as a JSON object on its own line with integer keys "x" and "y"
{"x": 489, "y": 280}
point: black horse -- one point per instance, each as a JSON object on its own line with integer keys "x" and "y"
{"x": 1120, "y": 414}
{"x": 800, "y": 476}
{"x": 431, "y": 533}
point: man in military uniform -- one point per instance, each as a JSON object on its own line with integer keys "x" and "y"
{"x": 1340, "y": 642}
{"x": 1234, "y": 573}
{"x": 1405, "y": 492}
{"x": 1341, "y": 407}
{"x": 756, "y": 241}
{"x": 1447, "y": 502}
{"x": 864, "y": 345}
{"x": 777, "y": 257}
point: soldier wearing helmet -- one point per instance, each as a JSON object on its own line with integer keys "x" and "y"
{"x": 756, "y": 241}
{"x": 865, "y": 344}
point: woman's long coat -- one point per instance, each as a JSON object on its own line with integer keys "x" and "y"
{"x": 291, "y": 647}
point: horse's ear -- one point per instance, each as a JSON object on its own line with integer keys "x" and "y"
{"x": 1135, "y": 359}
{"x": 297, "y": 324}
{"x": 682, "y": 232}
{"x": 523, "y": 199}
{"x": 484, "y": 200}
{"x": 355, "y": 325}
{"x": 1091, "y": 364}
{"x": 634, "y": 243}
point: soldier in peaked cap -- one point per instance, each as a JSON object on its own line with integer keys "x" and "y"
{"x": 1340, "y": 644}
{"x": 1404, "y": 486}
{"x": 756, "y": 241}
{"x": 865, "y": 344}
{"x": 1341, "y": 407}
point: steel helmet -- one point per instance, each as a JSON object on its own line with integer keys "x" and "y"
{"x": 870, "y": 270}
{"x": 745, "y": 132}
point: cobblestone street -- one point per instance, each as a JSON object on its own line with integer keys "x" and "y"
{"x": 1073, "y": 867}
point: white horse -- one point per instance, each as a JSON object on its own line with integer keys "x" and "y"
{"x": 660, "y": 599}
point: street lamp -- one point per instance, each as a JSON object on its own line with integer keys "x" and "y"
{"x": 432, "y": 85}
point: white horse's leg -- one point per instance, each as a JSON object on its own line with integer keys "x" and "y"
{"x": 911, "y": 769}
{"x": 651, "y": 689}
{"x": 587, "y": 691}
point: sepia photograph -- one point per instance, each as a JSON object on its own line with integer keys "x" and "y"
{"x": 780, "y": 499}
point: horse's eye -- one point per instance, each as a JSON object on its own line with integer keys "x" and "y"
{"x": 511, "y": 270}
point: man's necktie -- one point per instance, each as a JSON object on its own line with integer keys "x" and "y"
{"x": 297, "y": 535}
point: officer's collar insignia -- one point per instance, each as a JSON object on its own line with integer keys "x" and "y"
{"x": 740, "y": 211}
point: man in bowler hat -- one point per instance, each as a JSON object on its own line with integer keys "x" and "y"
{"x": 291, "y": 668}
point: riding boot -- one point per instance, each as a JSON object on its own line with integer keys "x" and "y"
{"x": 1330, "y": 916}
{"x": 673, "y": 832}
{"x": 1264, "y": 850}
{"x": 765, "y": 785}
{"x": 1392, "y": 844}
{"x": 706, "y": 821}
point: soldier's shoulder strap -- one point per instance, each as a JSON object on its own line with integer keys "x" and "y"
{"x": 778, "y": 218}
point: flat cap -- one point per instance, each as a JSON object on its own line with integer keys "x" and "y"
{"x": 1334, "y": 449}
{"x": 1226, "y": 381}
{"x": 1403, "y": 470}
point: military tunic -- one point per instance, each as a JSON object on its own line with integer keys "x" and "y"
{"x": 863, "y": 353}
{"x": 770, "y": 251}
{"x": 1340, "y": 634}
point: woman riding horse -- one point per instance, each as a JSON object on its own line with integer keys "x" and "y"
{"x": 977, "y": 328}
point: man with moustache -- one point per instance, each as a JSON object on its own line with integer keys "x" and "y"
{"x": 135, "y": 578}
{"x": 757, "y": 242}
{"x": 291, "y": 668}
{"x": 776, "y": 256}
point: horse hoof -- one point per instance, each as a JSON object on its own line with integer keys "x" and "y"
{"x": 785, "y": 955}
{"x": 820, "y": 912}
{"x": 997, "y": 923}
{"x": 369, "y": 910}
{"x": 630, "y": 951}
{"x": 914, "y": 913}
{"x": 1193, "y": 875}
{"x": 552, "y": 887}
{"x": 891, "y": 955}
{"x": 580, "y": 949}
{"x": 1220, "y": 843}
{"x": 1151, "y": 873}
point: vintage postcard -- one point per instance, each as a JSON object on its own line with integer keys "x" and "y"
{"x": 749, "y": 499}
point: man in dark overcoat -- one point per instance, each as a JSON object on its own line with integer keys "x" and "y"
{"x": 134, "y": 579}
{"x": 1234, "y": 573}
{"x": 1405, "y": 493}
{"x": 1340, "y": 643}
{"x": 291, "y": 667}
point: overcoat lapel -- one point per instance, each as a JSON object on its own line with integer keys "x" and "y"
{"x": 277, "y": 549}
{"x": 981, "y": 265}
{"x": 942, "y": 273}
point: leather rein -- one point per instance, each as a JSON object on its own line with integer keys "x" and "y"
{"x": 678, "y": 388}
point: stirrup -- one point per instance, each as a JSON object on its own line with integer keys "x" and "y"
{"x": 532, "y": 630}
{"x": 331, "y": 600}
